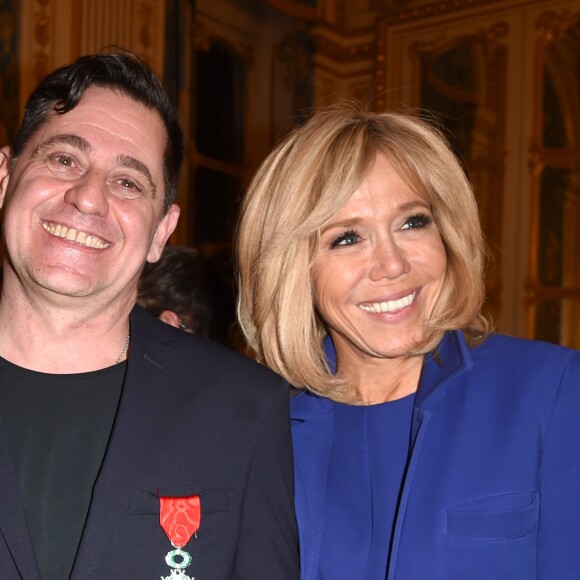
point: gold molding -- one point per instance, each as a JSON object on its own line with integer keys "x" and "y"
{"x": 493, "y": 36}
{"x": 338, "y": 12}
{"x": 553, "y": 25}
{"x": 550, "y": 25}
{"x": 491, "y": 39}
{"x": 145, "y": 32}
{"x": 296, "y": 9}
{"x": 244, "y": 50}
{"x": 343, "y": 54}
{"x": 200, "y": 36}
{"x": 535, "y": 292}
{"x": 41, "y": 34}
{"x": 344, "y": 34}
{"x": 400, "y": 16}
{"x": 535, "y": 160}
{"x": 345, "y": 75}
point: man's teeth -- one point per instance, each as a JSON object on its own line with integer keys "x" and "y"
{"x": 75, "y": 236}
{"x": 390, "y": 305}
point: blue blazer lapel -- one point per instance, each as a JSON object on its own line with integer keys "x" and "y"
{"x": 450, "y": 360}
{"x": 13, "y": 525}
{"x": 312, "y": 456}
{"x": 149, "y": 372}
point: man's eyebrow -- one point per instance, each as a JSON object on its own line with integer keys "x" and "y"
{"x": 132, "y": 163}
{"x": 66, "y": 139}
{"x": 83, "y": 145}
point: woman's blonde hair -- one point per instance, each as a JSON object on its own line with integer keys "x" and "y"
{"x": 304, "y": 181}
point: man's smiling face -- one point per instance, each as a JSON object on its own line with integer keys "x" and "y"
{"x": 83, "y": 202}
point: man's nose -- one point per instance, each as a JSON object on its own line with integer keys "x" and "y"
{"x": 89, "y": 194}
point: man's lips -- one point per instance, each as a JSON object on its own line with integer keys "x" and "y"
{"x": 76, "y": 236}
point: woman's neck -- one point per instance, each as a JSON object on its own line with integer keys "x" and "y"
{"x": 380, "y": 380}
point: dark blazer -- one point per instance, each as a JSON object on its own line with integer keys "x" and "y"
{"x": 194, "y": 418}
{"x": 492, "y": 488}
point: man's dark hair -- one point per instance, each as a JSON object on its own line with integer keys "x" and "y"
{"x": 181, "y": 281}
{"x": 61, "y": 91}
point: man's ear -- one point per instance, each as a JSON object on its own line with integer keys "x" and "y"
{"x": 170, "y": 317}
{"x": 165, "y": 228}
{"x": 4, "y": 172}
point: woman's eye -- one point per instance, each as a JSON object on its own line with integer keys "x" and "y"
{"x": 417, "y": 222}
{"x": 346, "y": 239}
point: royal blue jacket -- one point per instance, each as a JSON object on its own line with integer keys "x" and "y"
{"x": 492, "y": 489}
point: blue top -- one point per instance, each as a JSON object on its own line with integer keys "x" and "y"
{"x": 492, "y": 486}
{"x": 369, "y": 452}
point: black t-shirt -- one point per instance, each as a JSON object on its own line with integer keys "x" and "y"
{"x": 57, "y": 428}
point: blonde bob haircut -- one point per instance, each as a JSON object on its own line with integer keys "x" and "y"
{"x": 304, "y": 181}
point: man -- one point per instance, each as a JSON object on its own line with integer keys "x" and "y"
{"x": 180, "y": 289}
{"x": 114, "y": 423}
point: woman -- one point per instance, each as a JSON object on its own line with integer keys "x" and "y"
{"x": 425, "y": 447}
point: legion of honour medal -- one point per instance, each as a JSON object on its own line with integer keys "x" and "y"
{"x": 180, "y": 518}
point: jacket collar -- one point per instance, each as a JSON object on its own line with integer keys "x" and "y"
{"x": 450, "y": 359}
{"x": 13, "y": 525}
{"x": 150, "y": 369}
{"x": 305, "y": 405}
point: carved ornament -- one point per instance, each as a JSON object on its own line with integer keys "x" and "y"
{"x": 397, "y": 14}
{"x": 553, "y": 25}
{"x": 42, "y": 39}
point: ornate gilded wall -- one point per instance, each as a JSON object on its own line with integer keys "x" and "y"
{"x": 54, "y": 32}
{"x": 500, "y": 75}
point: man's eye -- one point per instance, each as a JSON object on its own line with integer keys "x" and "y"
{"x": 63, "y": 166}
{"x": 127, "y": 188}
{"x": 345, "y": 239}
{"x": 61, "y": 160}
{"x": 128, "y": 184}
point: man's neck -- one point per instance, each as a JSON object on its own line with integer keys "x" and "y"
{"x": 78, "y": 337}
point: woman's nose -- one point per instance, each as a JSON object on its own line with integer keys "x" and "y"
{"x": 89, "y": 194}
{"x": 388, "y": 261}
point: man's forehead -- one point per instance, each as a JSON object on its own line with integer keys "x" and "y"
{"x": 105, "y": 101}
{"x": 110, "y": 113}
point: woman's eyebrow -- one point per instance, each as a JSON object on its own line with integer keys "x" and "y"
{"x": 342, "y": 224}
{"x": 353, "y": 221}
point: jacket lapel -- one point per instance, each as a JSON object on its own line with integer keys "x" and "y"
{"x": 12, "y": 517}
{"x": 149, "y": 370}
{"x": 311, "y": 457}
{"x": 451, "y": 359}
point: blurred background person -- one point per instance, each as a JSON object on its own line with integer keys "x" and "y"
{"x": 426, "y": 447}
{"x": 180, "y": 290}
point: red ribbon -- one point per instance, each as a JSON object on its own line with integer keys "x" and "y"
{"x": 180, "y": 518}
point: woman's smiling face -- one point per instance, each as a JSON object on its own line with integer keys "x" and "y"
{"x": 379, "y": 269}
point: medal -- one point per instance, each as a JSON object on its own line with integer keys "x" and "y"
{"x": 180, "y": 518}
